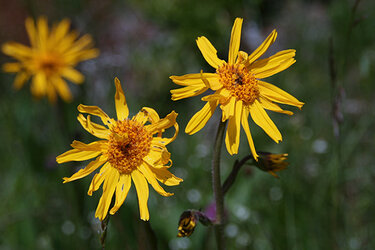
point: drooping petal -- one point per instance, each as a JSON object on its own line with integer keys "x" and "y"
{"x": 199, "y": 120}
{"x": 276, "y": 94}
{"x": 262, "y": 48}
{"x": 245, "y": 125}
{"x": 235, "y": 39}
{"x": 232, "y": 138}
{"x": 122, "y": 109}
{"x": 141, "y": 186}
{"x": 164, "y": 176}
{"x": 267, "y": 104}
{"x": 98, "y": 178}
{"x": 228, "y": 109}
{"x": 164, "y": 123}
{"x": 145, "y": 170}
{"x": 122, "y": 190}
{"x": 109, "y": 186}
{"x": 153, "y": 116}
{"x": 93, "y": 128}
{"x": 209, "y": 52}
{"x": 261, "y": 118}
{"x": 95, "y": 110}
{"x": 91, "y": 167}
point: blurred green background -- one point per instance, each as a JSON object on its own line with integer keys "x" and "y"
{"x": 325, "y": 200}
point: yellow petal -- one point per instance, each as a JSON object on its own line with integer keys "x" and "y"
{"x": 62, "y": 88}
{"x": 193, "y": 79}
{"x": 274, "y": 64}
{"x": 199, "y": 120}
{"x": 94, "y": 146}
{"x": 245, "y": 125}
{"x": 120, "y": 100}
{"x": 93, "y": 128}
{"x": 72, "y": 75}
{"x": 141, "y": 186}
{"x": 122, "y": 190}
{"x": 153, "y": 116}
{"x": 60, "y": 31}
{"x": 39, "y": 85}
{"x": 164, "y": 176}
{"x": 262, "y": 119}
{"x": 20, "y": 80}
{"x": 98, "y": 178}
{"x": 209, "y": 52}
{"x": 140, "y": 117}
{"x": 228, "y": 109}
{"x": 232, "y": 138}
{"x": 76, "y": 155}
{"x": 109, "y": 187}
{"x": 262, "y": 48}
{"x": 145, "y": 170}
{"x": 12, "y": 67}
{"x": 164, "y": 123}
{"x": 17, "y": 50}
{"x": 95, "y": 110}
{"x": 91, "y": 167}
{"x": 31, "y": 32}
{"x": 267, "y": 104}
{"x": 276, "y": 94}
{"x": 42, "y": 28}
{"x": 235, "y": 40}
{"x": 186, "y": 92}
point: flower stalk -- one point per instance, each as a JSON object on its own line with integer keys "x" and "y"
{"x": 216, "y": 185}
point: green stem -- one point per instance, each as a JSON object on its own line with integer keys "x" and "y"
{"x": 104, "y": 226}
{"x": 216, "y": 185}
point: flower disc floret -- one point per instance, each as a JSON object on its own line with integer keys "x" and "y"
{"x": 128, "y": 143}
{"x": 239, "y": 81}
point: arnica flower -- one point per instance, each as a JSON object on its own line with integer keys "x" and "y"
{"x": 130, "y": 150}
{"x": 272, "y": 163}
{"x": 238, "y": 87}
{"x": 52, "y": 56}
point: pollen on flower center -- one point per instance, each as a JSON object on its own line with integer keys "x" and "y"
{"x": 128, "y": 143}
{"x": 239, "y": 81}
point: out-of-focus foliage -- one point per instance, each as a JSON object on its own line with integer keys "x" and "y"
{"x": 324, "y": 200}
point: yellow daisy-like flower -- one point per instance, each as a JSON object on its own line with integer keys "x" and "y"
{"x": 238, "y": 88}
{"x": 128, "y": 151}
{"x": 52, "y": 56}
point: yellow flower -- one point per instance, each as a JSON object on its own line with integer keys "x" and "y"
{"x": 52, "y": 56}
{"x": 128, "y": 151}
{"x": 272, "y": 163}
{"x": 238, "y": 88}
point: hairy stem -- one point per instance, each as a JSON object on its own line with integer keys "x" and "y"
{"x": 216, "y": 185}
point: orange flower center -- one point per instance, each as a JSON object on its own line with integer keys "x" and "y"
{"x": 128, "y": 143}
{"x": 239, "y": 81}
{"x": 49, "y": 63}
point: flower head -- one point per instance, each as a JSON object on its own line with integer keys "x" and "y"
{"x": 52, "y": 56}
{"x": 272, "y": 163}
{"x": 238, "y": 89}
{"x": 130, "y": 150}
